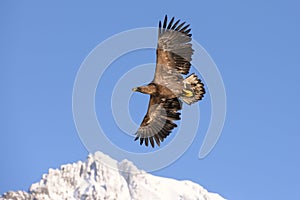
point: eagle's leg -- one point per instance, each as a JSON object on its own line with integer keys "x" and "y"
{"x": 187, "y": 93}
{"x": 193, "y": 89}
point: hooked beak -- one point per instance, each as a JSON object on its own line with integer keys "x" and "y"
{"x": 135, "y": 89}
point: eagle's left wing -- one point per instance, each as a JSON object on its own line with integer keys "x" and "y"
{"x": 173, "y": 54}
{"x": 158, "y": 122}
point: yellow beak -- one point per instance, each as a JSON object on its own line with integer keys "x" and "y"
{"x": 134, "y": 89}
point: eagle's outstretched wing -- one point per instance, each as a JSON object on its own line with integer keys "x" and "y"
{"x": 173, "y": 54}
{"x": 158, "y": 122}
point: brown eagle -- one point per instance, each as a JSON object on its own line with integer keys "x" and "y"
{"x": 168, "y": 88}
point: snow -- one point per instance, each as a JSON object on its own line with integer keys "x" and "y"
{"x": 94, "y": 180}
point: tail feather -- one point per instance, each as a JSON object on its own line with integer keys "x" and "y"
{"x": 193, "y": 90}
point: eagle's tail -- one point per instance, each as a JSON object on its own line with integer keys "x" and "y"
{"x": 193, "y": 89}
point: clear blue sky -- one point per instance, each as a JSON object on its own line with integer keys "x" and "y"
{"x": 255, "y": 44}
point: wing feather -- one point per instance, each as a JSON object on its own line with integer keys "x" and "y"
{"x": 165, "y": 21}
{"x": 176, "y": 23}
{"x": 178, "y": 27}
{"x": 151, "y": 141}
{"x": 170, "y": 23}
{"x": 158, "y": 122}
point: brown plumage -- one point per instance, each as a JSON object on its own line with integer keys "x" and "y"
{"x": 173, "y": 56}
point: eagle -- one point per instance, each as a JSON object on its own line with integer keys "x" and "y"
{"x": 169, "y": 88}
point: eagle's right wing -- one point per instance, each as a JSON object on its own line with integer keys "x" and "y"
{"x": 158, "y": 122}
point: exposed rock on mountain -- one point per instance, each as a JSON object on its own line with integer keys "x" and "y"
{"x": 95, "y": 179}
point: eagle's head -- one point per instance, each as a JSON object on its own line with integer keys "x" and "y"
{"x": 148, "y": 89}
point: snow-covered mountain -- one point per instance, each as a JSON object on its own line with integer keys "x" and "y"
{"x": 94, "y": 180}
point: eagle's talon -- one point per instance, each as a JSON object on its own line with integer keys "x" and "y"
{"x": 187, "y": 93}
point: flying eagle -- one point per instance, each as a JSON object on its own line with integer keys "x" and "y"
{"x": 169, "y": 88}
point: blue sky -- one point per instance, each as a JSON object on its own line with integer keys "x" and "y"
{"x": 254, "y": 44}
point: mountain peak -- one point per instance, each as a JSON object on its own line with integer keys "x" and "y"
{"x": 101, "y": 177}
